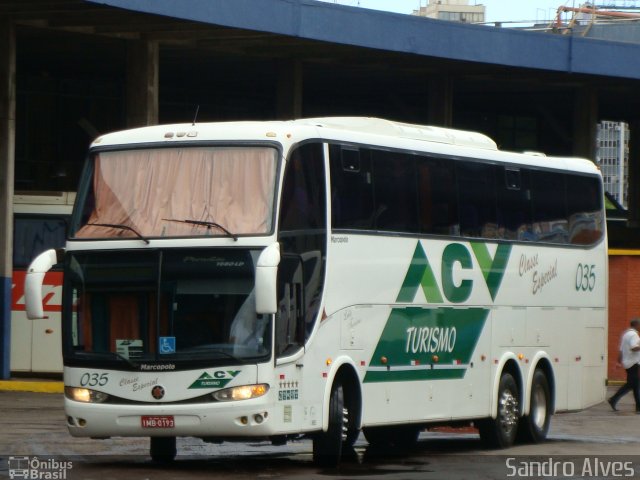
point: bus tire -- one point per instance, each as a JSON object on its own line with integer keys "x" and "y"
{"x": 500, "y": 432}
{"x": 401, "y": 437}
{"x": 163, "y": 449}
{"x": 533, "y": 428}
{"x": 327, "y": 446}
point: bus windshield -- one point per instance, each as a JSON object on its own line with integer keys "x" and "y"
{"x": 179, "y": 192}
{"x": 164, "y": 305}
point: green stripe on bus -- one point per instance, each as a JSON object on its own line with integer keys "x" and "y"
{"x": 415, "y": 339}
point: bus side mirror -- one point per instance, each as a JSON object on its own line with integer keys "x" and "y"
{"x": 266, "y": 280}
{"x": 34, "y": 279}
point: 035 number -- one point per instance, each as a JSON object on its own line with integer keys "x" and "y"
{"x": 585, "y": 277}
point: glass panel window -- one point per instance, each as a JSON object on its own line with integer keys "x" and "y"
{"x": 172, "y": 305}
{"x": 303, "y": 244}
{"x": 351, "y": 189}
{"x": 584, "y": 205}
{"x": 180, "y": 192}
{"x": 477, "y": 204}
{"x": 514, "y": 205}
{"x": 32, "y": 235}
{"x": 549, "y": 206}
{"x": 395, "y": 192}
{"x": 437, "y": 197}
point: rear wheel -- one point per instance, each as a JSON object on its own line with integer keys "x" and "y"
{"x": 501, "y": 431}
{"x": 163, "y": 449}
{"x": 534, "y": 427}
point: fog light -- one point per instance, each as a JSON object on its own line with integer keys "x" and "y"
{"x": 258, "y": 418}
{"x": 244, "y": 420}
{"x": 82, "y": 422}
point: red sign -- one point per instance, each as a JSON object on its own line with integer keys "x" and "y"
{"x": 157, "y": 421}
{"x": 51, "y": 291}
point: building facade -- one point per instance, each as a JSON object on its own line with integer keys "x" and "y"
{"x": 453, "y": 11}
{"x": 612, "y": 156}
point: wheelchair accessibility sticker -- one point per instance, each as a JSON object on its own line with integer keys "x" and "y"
{"x": 167, "y": 345}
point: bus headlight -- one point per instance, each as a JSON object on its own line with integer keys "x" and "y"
{"x": 85, "y": 395}
{"x": 244, "y": 392}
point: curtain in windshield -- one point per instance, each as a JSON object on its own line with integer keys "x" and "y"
{"x": 154, "y": 191}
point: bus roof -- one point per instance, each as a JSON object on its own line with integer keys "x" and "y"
{"x": 363, "y": 130}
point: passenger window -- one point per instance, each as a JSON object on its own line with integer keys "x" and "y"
{"x": 477, "y": 193}
{"x": 584, "y": 208}
{"x": 395, "y": 192}
{"x": 549, "y": 207}
{"x": 514, "y": 206}
{"x": 437, "y": 197}
{"x": 351, "y": 189}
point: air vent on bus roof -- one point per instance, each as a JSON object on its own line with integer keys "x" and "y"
{"x": 370, "y": 125}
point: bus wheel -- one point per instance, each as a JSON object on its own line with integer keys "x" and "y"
{"x": 399, "y": 437}
{"x": 534, "y": 427}
{"x": 501, "y": 431}
{"x": 327, "y": 446}
{"x": 163, "y": 449}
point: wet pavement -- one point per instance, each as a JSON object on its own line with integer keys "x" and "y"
{"x": 33, "y": 425}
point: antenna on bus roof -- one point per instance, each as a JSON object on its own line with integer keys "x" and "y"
{"x": 195, "y": 117}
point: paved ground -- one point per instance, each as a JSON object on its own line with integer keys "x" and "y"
{"x": 33, "y": 425}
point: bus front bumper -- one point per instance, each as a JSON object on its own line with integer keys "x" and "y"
{"x": 248, "y": 418}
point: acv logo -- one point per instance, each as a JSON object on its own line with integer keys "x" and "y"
{"x": 420, "y": 272}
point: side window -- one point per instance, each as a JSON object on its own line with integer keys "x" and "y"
{"x": 584, "y": 208}
{"x": 351, "y": 188}
{"x": 477, "y": 201}
{"x": 303, "y": 242}
{"x": 33, "y": 235}
{"x": 549, "y": 207}
{"x": 514, "y": 207}
{"x": 437, "y": 197}
{"x": 395, "y": 192}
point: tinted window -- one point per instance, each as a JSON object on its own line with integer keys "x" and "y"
{"x": 584, "y": 209}
{"x": 395, "y": 192}
{"x": 437, "y": 197}
{"x": 303, "y": 240}
{"x": 477, "y": 204}
{"x": 33, "y": 235}
{"x": 414, "y": 193}
{"x": 549, "y": 207}
{"x": 514, "y": 206}
{"x": 351, "y": 189}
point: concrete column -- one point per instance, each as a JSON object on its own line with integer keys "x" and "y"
{"x": 7, "y": 157}
{"x": 440, "y": 101}
{"x": 142, "y": 83}
{"x": 585, "y": 123}
{"x": 289, "y": 94}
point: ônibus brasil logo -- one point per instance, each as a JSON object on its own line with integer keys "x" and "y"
{"x": 436, "y": 343}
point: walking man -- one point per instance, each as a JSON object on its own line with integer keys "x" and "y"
{"x": 629, "y": 357}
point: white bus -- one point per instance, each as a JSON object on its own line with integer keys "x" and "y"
{"x": 40, "y": 222}
{"x": 327, "y": 276}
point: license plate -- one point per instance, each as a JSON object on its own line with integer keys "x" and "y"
{"x": 157, "y": 421}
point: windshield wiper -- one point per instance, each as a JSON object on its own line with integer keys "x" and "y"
{"x": 203, "y": 224}
{"x": 122, "y": 227}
